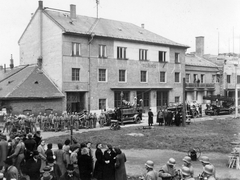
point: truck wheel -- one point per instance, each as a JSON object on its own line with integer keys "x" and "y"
{"x": 215, "y": 112}
{"x": 137, "y": 120}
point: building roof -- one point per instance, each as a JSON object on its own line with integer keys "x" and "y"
{"x": 194, "y": 60}
{"x": 106, "y": 28}
{"x": 28, "y": 82}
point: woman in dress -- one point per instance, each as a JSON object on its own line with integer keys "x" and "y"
{"x": 109, "y": 164}
{"x": 98, "y": 170}
{"x": 43, "y": 156}
{"x": 120, "y": 169}
{"x": 60, "y": 158}
{"x": 66, "y": 149}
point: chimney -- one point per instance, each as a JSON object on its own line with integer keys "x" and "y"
{"x": 142, "y": 25}
{"x": 11, "y": 63}
{"x": 73, "y": 14}
{"x": 40, "y": 5}
{"x": 200, "y": 46}
{"x": 39, "y": 62}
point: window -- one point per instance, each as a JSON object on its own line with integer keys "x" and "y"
{"x": 117, "y": 97}
{"x": 238, "y": 79}
{"x": 177, "y": 60}
{"x": 102, "y": 75}
{"x": 162, "y": 98}
{"x": 143, "y": 54}
{"x": 162, "y": 56}
{"x": 145, "y": 96}
{"x": 177, "y": 99}
{"x": 122, "y": 75}
{"x": 162, "y": 76}
{"x": 121, "y": 52}
{"x": 177, "y": 77}
{"x": 218, "y": 78}
{"x": 76, "y": 49}
{"x": 187, "y": 78}
{"x": 102, "y": 51}
{"x": 143, "y": 76}
{"x": 102, "y": 104}
{"x": 228, "y": 78}
{"x": 75, "y": 74}
{"x": 202, "y": 78}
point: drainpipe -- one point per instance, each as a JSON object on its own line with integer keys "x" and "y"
{"x": 89, "y": 71}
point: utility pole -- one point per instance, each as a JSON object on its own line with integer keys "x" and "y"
{"x": 184, "y": 105}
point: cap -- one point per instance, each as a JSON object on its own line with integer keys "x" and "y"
{"x": 187, "y": 159}
{"x": 205, "y": 160}
{"x": 208, "y": 169}
{"x": 185, "y": 171}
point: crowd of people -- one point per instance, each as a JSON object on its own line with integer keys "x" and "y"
{"x": 52, "y": 121}
{"x": 170, "y": 172}
{"x": 25, "y": 157}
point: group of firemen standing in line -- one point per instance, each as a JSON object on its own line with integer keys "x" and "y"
{"x": 52, "y": 122}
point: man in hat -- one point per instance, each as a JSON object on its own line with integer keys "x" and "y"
{"x": 187, "y": 162}
{"x": 47, "y": 176}
{"x": 54, "y": 169}
{"x": 186, "y": 174}
{"x": 18, "y": 154}
{"x": 169, "y": 170}
{"x": 205, "y": 161}
{"x": 151, "y": 173}
{"x": 150, "y": 117}
{"x": 70, "y": 174}
{"x": 32, "y": 166}
{"x": 11, "y": 171}
{"x": 208, "y": 172}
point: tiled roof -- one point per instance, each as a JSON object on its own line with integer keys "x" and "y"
{"x": 194, "y": 60}
{"x": 28, "y": 82}
{"x": 106, "y": 28}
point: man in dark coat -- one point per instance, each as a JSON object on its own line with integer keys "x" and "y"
{"x": 85, "y": 164}
{"x": 120, "y": 169}
{"x": 30, "y": 145}
{"x": 32, "y": 166}
{"x": 70, "y": 174}
{"x": 150, "y": 117}
{"x": 11, "y": 171}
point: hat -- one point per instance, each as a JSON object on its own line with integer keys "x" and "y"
{"x": 8, "y": 161}
{"x": 185, "y": 171}
{"x": 17, "y": 138}
{"x": 35, "y": 153}
{"x": 1, "y": 175}
{"x": 187, "y": 159}
{"x": 205, "y": 160}
{"x": 208, "y": 169}
{"x": 47, "y": 169}
{"x": 149, "y": 164}
{"x": 70, "y": 167}
{"x": 46, "y": 176}
{"x": 171, "y": 161}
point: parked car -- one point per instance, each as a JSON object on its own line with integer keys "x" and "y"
{"x": 217, "y": 110}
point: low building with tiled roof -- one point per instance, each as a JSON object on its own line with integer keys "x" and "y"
{"x": 27, "y": 88}
{"x": 99, "y": 62}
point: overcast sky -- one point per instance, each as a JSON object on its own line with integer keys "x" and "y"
{"x": 177, "y": 20}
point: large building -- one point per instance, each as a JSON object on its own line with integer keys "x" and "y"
{"x": 203, "y": 77}
{"x": 97, "y": 62}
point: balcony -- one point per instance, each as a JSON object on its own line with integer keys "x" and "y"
{"x": 200, "y": 85}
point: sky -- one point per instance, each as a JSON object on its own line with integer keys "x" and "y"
{"x": 178, "y": 20}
